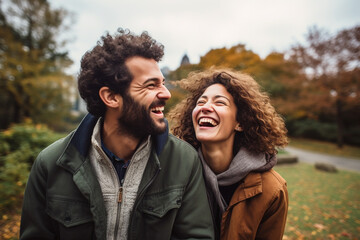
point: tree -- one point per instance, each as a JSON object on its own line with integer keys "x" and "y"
{"x": 33, "y": 82}
{"x": 330, "y": 65}
{"x": 275, "y": 73}
{"x": 236, "y": 57}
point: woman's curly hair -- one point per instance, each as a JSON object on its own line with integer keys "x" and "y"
{"x": 104, "y": 65}
{"x": 263, "y": 128}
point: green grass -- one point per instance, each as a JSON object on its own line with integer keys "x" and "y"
{"x": 325, "y": 147}
{"x": 321, "y": 205}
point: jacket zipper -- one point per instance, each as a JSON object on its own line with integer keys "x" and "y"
{"x": 118, "y": 209}
{"x": 120, "y": 194}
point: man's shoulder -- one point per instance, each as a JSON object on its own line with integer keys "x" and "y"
{"x": 55, "y": 150}
{"x": 180, "y": 145}
{"x": 179, "y": 163}
{"x": 179, "y": 151}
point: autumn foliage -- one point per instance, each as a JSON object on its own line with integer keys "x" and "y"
{"x": 33, "y": 81}
{"x": 315, "y": 85}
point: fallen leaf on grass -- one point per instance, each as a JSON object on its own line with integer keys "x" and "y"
{"x": 299, "y": 235}
{"x": 292, "y": 229}
{"x": 319, "y": 226}
{"x": 306, "y": 208}
{"x": 331, "y": 236}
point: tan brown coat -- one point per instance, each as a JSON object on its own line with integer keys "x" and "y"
{"x": 258, "y": 208}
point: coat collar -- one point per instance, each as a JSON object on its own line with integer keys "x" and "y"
{"x": 80, "y": 142}
{"x": 249, "y": 187}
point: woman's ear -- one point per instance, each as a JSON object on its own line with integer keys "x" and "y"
{"x": 238, "y": 128}
{"x": 109, "y": 98}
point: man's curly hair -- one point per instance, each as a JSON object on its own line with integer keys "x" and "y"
{"x": 104, "y": 65}
{"x": 263, "y": 128}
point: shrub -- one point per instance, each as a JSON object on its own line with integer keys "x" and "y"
{"x": 19, "y": 146}
{"x": 312, "y": 129}
{"x": 352, "y": 135}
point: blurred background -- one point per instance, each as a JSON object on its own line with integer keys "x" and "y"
{"x": 305, "y": 54}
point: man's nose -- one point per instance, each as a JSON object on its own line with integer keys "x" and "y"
{"x": 164, "y": 93}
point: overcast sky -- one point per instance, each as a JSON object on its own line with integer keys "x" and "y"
{"x": 196, "y": 26}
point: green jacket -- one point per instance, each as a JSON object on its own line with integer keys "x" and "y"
{"x": 63, "y": 199}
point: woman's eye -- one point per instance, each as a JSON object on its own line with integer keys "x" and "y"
{"x": 220, "y": 103}
{"x": 200, "y": 102}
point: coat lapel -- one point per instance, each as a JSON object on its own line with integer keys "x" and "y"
{"x": 250, "y": 187}
{"x": 75, "y": 160}
{"x": 87, "y": 183}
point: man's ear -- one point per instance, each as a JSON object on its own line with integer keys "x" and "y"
{"x": 109, "y": 98}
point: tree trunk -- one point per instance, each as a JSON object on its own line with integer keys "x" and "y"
{"x": 17, "y": 108}
{"x": 340, "y": 124}
{"x": 16, "y": 117}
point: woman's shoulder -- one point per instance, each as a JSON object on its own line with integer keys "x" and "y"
{"x": 273, "y": 181}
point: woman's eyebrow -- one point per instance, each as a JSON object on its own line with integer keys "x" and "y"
{"x": 215, "y": 97}
{"x": 221, "y": 96}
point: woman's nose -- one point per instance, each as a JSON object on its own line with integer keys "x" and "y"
{"x": 207, "y": 107}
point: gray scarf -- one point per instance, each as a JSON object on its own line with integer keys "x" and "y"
{"x": 243, "y": 163}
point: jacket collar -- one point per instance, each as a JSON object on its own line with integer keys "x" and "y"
{"x": 81, "y": 140}
{"x": 161, "y": 139}
{"x": 250, "y": 187}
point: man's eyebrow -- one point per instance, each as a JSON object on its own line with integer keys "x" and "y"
{"x": 154, "y": 80}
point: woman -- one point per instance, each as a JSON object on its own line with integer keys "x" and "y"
{"x": 236, "y": 131}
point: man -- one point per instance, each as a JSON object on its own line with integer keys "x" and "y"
{"x": 120, "y": 175}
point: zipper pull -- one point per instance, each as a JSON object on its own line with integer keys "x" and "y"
{"x": 120, "y": 194}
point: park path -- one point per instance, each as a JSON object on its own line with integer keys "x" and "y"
{"x": 345, "y": 163}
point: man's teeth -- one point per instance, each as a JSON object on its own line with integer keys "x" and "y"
{"x": 208, "y": 120}
{"x": 158, "y": 109}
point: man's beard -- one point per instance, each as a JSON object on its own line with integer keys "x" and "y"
{"x": 135, "y": 119}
